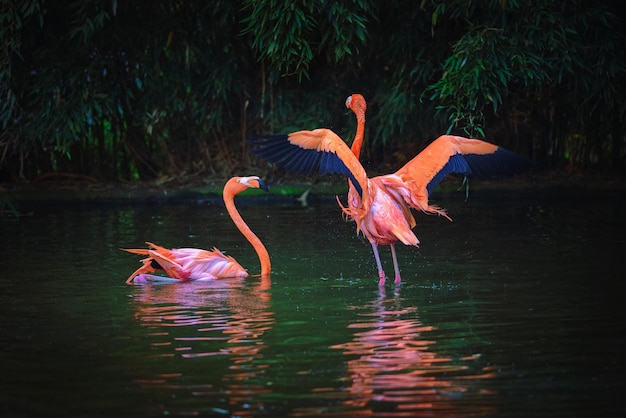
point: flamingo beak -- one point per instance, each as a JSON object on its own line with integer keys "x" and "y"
{"x": 263, "y": 186}
{"x": 348, "y": 102}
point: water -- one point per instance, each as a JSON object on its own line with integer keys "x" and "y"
{"x": 514, "y": 309}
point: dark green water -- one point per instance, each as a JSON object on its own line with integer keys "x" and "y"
{"x": 514, "y": 309}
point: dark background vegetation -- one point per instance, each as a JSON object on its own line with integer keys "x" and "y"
{"x": 137, "y": 90}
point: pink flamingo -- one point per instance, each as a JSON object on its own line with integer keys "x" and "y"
{"x": 198, "y": 264}
{"x": 381, "y": 206}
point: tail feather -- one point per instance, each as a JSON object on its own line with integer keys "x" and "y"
{"x": 157, "y": 255}
{"x": 146, "y": 268}
{"x": 406, "y": 237}
{"x": 136, "y": 250}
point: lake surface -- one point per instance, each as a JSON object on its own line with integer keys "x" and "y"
{"x": 514, "y": 309}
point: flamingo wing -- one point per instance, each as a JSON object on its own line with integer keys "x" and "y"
{"x": 187, "y": 263}
{"x": 171, "y": 263}
{"x": 210, "y": 264}
{"x": 455, "y": 154}
{"x": 308, "y": 152}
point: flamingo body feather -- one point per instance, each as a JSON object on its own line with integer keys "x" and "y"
{"x": 381, "y": 206}
{"x": 198, "y": 264}
{"x": 188, "y": 263}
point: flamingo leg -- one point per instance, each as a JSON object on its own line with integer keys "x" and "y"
{"x": 381, "y": 273}
{"x": 395, "y": 264}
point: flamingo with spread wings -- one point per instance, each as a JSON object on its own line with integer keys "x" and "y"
{"x": 198, "y": 264}
{"x": 381, "y": 206}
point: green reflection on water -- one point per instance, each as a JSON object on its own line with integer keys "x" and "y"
{"x": 505, "y": 304}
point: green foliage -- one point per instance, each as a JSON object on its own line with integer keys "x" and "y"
{"x": 137, "y": 90}
{"x": 525, "y": 50}
{"x": 289, "y": 35}
{"x": 13, "y": 16}
{"x": 281, "y": 33}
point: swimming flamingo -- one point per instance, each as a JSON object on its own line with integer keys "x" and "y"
{"x": 198, "y": 264}
{"x": 381, "y": 205}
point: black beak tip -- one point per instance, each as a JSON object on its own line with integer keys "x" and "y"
{"x": 263, "y": 186}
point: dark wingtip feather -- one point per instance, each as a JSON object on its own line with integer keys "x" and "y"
{"x": 277, "y": 148}
{"x": 501, "y": 162}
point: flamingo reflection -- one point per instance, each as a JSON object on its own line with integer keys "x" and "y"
{"x": 212, "y": 324}
{"x": 394, "y": 364}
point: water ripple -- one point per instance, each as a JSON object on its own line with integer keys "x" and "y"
{"x": 392, "y": 361}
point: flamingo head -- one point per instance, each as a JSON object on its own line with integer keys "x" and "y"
{"x": 253, "y": 182}
{"x": 357, "y": 104}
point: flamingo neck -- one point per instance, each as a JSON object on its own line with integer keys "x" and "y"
{"x": 259, "y": 248}
{"x": 358, "y": 137}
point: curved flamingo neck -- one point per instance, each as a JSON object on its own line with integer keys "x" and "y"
{"x": 358, "y": 137}
{"x": 358, "y": 105}
{"x": 231, "y": 189}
